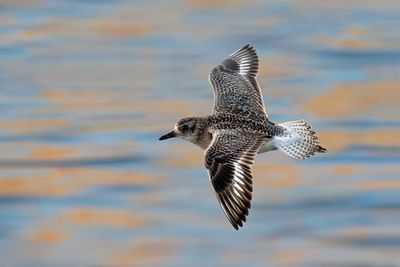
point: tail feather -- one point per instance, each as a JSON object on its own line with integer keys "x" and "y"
{"x": 297, "y": 140}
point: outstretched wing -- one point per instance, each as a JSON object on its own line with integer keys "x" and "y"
{"x": 235, "y": 86}
{"x": 229, "y": 159}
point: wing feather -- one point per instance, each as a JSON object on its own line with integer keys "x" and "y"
{"x": 229, "y": 159}
{"x": 234, "y": 81}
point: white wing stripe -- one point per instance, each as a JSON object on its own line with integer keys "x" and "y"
{"x": 236, "y": 192}
{"x": 238, "y": 180}
{"x": 238, "y": 187}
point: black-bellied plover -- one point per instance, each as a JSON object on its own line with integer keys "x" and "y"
{"x": 237, "y": 130}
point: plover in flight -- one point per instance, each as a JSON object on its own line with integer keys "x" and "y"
{"x": 237, "y": 130}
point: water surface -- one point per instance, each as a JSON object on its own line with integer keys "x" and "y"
{"x": 87, "y": 87}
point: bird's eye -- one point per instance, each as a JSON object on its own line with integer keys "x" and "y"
{"x": 185, "y": 128}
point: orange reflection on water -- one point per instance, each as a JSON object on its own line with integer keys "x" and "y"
{"x": 276, "y": 67}
{"x": 346, "y": 169}
{"x": 355, "y": 41}
{"x": 51, "y": 152}
{"x": 276, "y": 175}
{"x": 184, "y": 156}
{"x": 66, "y": 181}
{"x": 107, "y": 101}
{"x": 147, "y": 252}
{"x": 379, "y": 185}
{"x": 114, "y": 28}
{"x": 54, "y": 28}
{"x": 289, "y": 257}
{"x": 31, "y": 186}
{"x": 357, "y": 100}
{"x": 90, "y": 217}
{"x": 47, "y": 236}
{"x": 33, "y": 125}
{"x": 336, "y": 141}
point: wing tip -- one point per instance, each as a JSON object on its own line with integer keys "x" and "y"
{"x": 238, "y": 224}
{"x": 247, "y": 59}
{"x": 248, "y": 46}
{"x": 235, "y": 216}
{"x": 246, "y": 50}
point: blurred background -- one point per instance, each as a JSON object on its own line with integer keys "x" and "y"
{"x": 87, "y": 87}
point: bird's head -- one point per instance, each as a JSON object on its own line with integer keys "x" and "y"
{"x": 184, "y": 128}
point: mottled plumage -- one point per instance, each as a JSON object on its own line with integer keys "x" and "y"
{"x": 237, "y": 130}
{"x": 235, "y": 86}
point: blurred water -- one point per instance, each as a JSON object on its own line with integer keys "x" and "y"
{"x": 87, "y": 87}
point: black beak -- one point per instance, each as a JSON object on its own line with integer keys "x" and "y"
{"x": 168, "y": 135}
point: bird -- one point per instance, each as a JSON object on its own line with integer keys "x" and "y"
{"x": 237, "y": 130}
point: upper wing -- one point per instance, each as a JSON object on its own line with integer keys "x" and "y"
{"x": 235, "y": 86}
{"x": 229, "y": 159}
